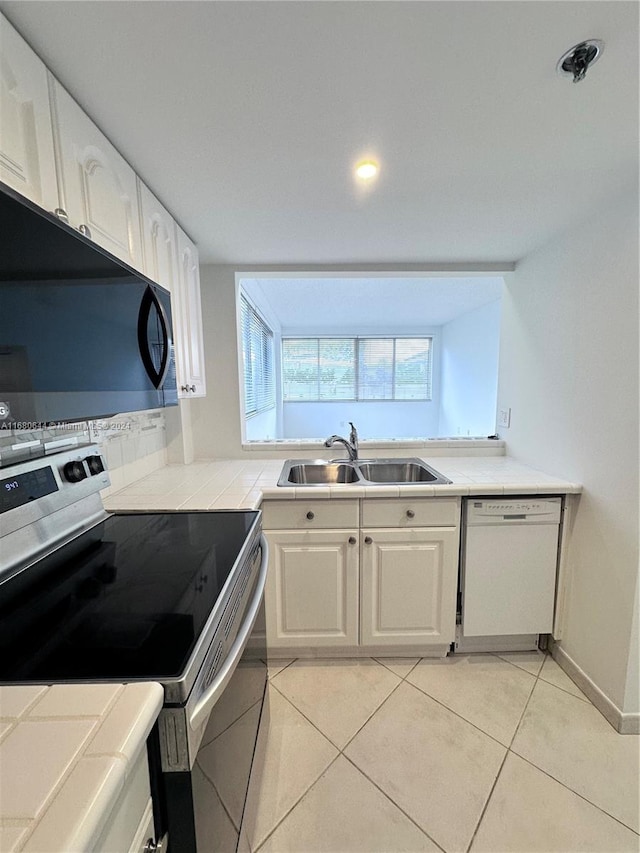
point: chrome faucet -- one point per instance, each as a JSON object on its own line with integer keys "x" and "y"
{"x": 351, "y": 445}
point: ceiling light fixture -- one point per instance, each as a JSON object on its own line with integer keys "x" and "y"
{"x": 575, "y": 62}
{"x": 367, "y": 170}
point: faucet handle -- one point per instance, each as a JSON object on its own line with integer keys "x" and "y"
{"x": 353, "y": 437}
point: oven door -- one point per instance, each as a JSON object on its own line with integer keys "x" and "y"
{"x": 206, "y": 748}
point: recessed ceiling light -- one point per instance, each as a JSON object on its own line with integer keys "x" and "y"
{"x": 367, "y": 169}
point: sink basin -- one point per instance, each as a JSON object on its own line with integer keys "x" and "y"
{"x": 303, "y": 473}
{"x": 316, "y": 472}
{"x": 399, "y": 471}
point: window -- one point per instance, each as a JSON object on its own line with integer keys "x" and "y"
{"x": 322, "y": 369}
{"x": 257, "y": 356}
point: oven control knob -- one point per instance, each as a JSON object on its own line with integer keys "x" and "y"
{"x": 95, "y": 465}
{"x": 74, "y": 472}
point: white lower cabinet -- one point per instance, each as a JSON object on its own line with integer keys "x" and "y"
{"x": 408, "y": 586}
{"x": 130, "y": 825}
{"x": 372, "y": 589}
{"x": 312, "y": 594}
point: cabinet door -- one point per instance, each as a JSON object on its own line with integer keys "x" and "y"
{"x": 311, "y": 598}
{"x": 97, "y": 186}
{"x": 409, "y": 583}
{"x": 27, "y": 162}
{"x": 159, "y": 248}
{"x": 188, "y": 321}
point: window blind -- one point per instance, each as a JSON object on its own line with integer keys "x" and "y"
{"x": 317, "y": 369}
{"x": 257, "y": 357}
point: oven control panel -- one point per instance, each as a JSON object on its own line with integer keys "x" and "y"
{"x": 23, "y": 488}
{"x": 39, "y": 487}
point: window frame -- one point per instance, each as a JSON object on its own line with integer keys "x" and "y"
{"x": 357, "y": 339}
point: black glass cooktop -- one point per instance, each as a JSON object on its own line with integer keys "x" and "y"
{"x": 127, "y": 599}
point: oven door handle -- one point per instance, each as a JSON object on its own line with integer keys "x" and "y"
{"x": 213, "y": 693}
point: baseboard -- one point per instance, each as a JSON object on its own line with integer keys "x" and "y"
{"x": 337, "y": 652}
{"x": 505, "y": 643}
{"x": 625, "y": 724}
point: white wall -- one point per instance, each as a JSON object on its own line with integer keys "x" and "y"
{"x": 265, "y": 425}
{"x": 262, "y": 427}
{"x": 389, "y": 419}
{"x": 569, "y": 372}
{"x": 216, "y": 417}
{"x": 469, "y": 372}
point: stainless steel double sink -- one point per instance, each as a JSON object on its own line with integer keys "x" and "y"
{"x": 391, "y": 472}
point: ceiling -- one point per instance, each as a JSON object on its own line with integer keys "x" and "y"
{"x": 389, "y": 305}
{"x": 246, "y": 119}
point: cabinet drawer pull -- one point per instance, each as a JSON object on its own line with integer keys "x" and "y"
{"x": 311, "y": 515}
{"x": 61, "y": 214}
{"x": 368, "y": 540}
{"x": 85, "y": 230}
{"x": 410, "y": 513}
{"x": 352, "y": 540}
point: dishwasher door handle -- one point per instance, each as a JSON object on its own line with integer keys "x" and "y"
{"x": 214, "y": 691}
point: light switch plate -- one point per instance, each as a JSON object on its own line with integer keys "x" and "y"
{"x": 504, "y": 417}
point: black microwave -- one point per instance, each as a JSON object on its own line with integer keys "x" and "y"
{"x": 82, "y": 335}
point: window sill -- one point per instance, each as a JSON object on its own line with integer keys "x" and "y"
{"x": 380, "y": 444}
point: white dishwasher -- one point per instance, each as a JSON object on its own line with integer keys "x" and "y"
{"x": 508, "y": 577}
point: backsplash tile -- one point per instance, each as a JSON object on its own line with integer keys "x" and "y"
{"x": 133, "y": 444}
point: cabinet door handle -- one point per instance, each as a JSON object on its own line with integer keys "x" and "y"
{"x": 352, "y": 540}
{"x": 187, "y": 388}
{"x": 410, "y": 513}
{"x": 61, "y": 214}
{"x": 368, "y": 540}
{"x": 84, "y": 229}
{"x": 311, "y": 515}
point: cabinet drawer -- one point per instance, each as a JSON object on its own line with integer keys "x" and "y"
{"x": 303, "y": 514}
{"x": 411, "y": 512}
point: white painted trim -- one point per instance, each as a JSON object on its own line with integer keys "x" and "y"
{"x": 341, "y": 652}
{"x": 625, "y": 724}
{"x": 417, "y": 270}
{"x": 565, "y": 565}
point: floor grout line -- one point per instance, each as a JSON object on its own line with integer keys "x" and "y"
{"x": 403, "y": 679}
{"x": 456, "y": 714}
{"x": 204, "y": 744}
{"x": 286, "y": 666}
{"x": 346, "y": 757}
{"x": 486, "y": 805}
{"x": 392, "y": 801}
{"x": 495, "y": 781}
{"x": 326, "y": 736}
{"x": 217, "y": 793}
{"x": 577, "y": 793}
{"x": 297, "y": 802}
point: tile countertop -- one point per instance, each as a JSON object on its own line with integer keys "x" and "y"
{"x": 242, "y": 484}
{"x": 65, "y": 754}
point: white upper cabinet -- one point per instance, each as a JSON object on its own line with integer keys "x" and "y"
{"x": 98, "y": 188}
{"x": 27, "y": 161}
{"x": 188, "y": 321}
{"x": 159, "y": 246}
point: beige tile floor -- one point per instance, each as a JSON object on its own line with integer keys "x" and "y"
{"x": 480, "y": 753}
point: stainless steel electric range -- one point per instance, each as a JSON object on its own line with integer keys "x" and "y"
{"x": 90, "y": 596}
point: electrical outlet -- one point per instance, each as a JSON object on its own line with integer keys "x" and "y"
{"x": 504, "y": 418}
